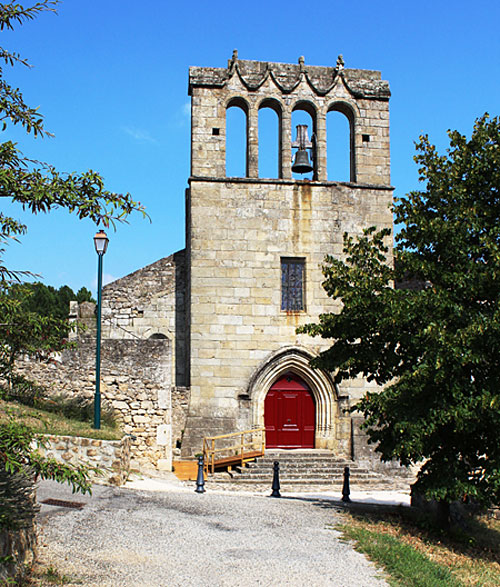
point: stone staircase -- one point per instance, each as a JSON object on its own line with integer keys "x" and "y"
{"x": 305, "y": 470}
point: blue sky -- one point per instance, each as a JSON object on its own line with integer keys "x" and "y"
{"x": 111, "y": 78}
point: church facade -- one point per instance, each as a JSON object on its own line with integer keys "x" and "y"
{"x": 230, "y": 303}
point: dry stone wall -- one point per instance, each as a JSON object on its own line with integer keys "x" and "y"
{"x": 135, "y": 381}
{"x": 110, "y": 457}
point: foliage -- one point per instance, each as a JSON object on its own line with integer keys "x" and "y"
{"x": 23, "y": 331}
{"x": 48, "y": 419}
{"x": 436, "y": 347}
{"x": 33, "y": 320}
{"x": 37, "y": 186}
{"x": 47, "y": 300}
{"x": 17, "y": 456}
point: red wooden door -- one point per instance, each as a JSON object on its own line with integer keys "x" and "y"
{"x": 289, "y": 414}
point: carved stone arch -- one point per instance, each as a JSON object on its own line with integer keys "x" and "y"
{"x": 272, "y": 103}
{"x": 239, "y": 102}
{"x": 351, "y": 112}
{"x": 296, "y": 360}
{"x": 308, "y": 107}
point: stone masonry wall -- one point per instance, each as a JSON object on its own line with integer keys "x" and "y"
{"x": 135, "y": 381}
{"x": 180, "y": 409}
{"x": 361, "y": 95}
{"x": 112, "y": 457}
{"x": 239, "y": 229}
{"x": 151, "y": 303}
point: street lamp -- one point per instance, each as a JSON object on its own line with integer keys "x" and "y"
{"x": 101, "y": 245}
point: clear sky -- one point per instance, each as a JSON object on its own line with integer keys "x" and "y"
{"x": 111, "y": 78}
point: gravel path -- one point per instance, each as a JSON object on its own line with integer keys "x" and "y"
{"x": 134, "y": 538}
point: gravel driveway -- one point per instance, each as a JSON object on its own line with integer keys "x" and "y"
{"x": 132, "y": 538}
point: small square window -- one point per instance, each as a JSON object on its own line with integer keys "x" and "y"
{"x": 215, "y": 132}
{"x": 292, "y": 284}
{"x": 366, "y": 138}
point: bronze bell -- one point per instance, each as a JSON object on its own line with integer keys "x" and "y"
{"x": 301, "y": 163}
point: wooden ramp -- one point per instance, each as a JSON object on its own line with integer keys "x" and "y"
{"x": 185, "y": 470}
{"x": 229, "y": 450}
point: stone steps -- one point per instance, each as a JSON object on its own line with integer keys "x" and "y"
{"x": 304, "y": 471}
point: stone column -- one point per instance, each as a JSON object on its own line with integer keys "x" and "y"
{"x": 320, "y": 163}
{"x": 286, "y": 144}
{"x": 253, "y": 142}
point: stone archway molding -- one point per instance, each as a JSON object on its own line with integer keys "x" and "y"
{"x": 297, "y": 360}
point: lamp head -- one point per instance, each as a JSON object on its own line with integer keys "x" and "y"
{"x": 101, "y": 242}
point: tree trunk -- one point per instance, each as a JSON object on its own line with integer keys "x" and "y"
{"x": 443, "y": 514}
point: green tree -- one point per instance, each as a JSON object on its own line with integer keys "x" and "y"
{"x": 25, "y": 331}
{"x": 46, "y": 300}
{"x": 435, "y": 347}
{"x": 37, "y": 187}
{"x": 84, "y": 295}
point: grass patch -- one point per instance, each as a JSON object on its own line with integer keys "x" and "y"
{"x": 415, "y": 553}
{"x": 43, "y": 575}
{"x": 49, "y": 422}
{"x": 54, "y": 577}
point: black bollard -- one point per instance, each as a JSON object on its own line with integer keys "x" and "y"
{"x": 200, "y": 479}
{"x": 276, "y": 480}
{"x": 345, "y": 488}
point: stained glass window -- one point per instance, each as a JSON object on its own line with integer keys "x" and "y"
{"x": 292, "y": 284}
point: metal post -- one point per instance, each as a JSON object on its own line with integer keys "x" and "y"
{"x": 276, "y": 480}
{"x": 345, "y": 487}
{"x": 200, "y": 479}
{"x": 97, "y": 397}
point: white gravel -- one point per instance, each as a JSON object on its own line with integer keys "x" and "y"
{"x": 170, "y": 536}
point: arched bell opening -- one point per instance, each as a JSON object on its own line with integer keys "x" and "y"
{"x": 237, "y": 138}
{"x": 341, "y": 154}
{"x": 270, "y": 143}
{"x": 304, "y": 131}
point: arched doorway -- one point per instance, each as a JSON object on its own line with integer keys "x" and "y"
{"x": 289, "y": 414}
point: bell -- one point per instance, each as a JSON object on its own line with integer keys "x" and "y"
{"x": 301, "y": 163}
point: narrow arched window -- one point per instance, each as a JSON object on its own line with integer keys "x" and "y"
{"x": 340, "y": 163}
{"x": 305, "y": 115}
{"x": 236, "y": 140}
{"x": 269, "y": 140}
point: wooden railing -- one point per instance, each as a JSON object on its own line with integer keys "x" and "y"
{"x": 219, "y": 452}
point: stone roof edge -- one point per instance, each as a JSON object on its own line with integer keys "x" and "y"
{"x": 361, "y": 83}
{"x": 127, "y": 277}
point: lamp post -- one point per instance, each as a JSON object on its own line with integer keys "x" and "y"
{"x": 101, "y": 245}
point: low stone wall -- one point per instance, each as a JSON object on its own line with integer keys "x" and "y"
{"x": 112, "y": 457}
{"x": 135, "y": 381}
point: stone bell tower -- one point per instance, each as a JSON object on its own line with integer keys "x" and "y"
{"x": 255, "y": 246}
